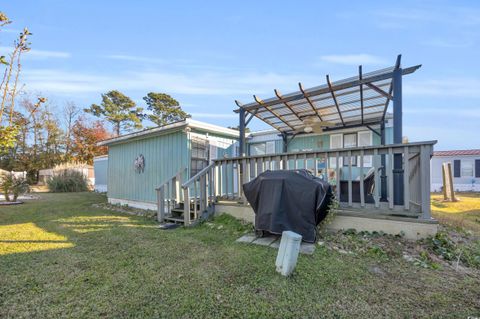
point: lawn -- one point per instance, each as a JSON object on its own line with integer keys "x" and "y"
{"x": 464, "y": 213}
{"x": 62, "y": 257}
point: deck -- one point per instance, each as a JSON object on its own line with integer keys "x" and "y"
{"x": 362, "y": 178}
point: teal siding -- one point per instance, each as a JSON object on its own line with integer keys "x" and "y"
{"x": 100, "y": 168}
{"x": 164, "y": 156}
{"x": 388, "y": 135}
{"x": 309, "y": 142}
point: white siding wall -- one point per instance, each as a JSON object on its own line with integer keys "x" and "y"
{"x": 460, "y": 184}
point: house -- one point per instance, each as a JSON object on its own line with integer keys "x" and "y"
{"x": 341, "y": 131}
{"x": 140, "y": 162}
{"x": 86, "y": 170}
{"x": 465, "y": 170}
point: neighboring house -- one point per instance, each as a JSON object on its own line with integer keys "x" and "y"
{"x": 87, "y": 170}
{"x": 465, "y": 169}
{"x": 140, "y": 162}
{"x": 100, "y": 168}
{"x": 16, "y": 174}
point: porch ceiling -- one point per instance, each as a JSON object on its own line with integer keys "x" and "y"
{"x": 359, "y": 100}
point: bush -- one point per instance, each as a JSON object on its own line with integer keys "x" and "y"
{"x": 10, "y": 184}
{"x": 19, "y": 187}
{"x": 68, "y": 181}
{"x": 6, "y": 182}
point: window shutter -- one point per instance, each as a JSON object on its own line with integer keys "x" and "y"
{"x": 456, "y": 168}
{"x": 477, "y": 168}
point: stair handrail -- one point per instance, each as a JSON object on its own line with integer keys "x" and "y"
{"x": 177, "y": 177}
{"x": 198, "y": 175}
{"x": 203, "y": 199}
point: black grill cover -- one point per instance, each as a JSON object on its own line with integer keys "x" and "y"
{"x": 292, "y": 200}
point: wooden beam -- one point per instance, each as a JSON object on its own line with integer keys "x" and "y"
{"x": 254, "y": 113}
{"x": 332, "y": 113}
{"x": 390, "y": 90}
{"x": 341, "y": 86}
{"x": 277, "y": 93}
{"x": 379, "y": 90}
{"x": 309, "y": 101}
{"x": 335, "y": 99}
{"x": 260, "y": 102}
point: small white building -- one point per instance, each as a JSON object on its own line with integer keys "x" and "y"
{"x": 465, "y": 170}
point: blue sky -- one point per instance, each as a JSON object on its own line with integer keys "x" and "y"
{"x": 206, "y": 54}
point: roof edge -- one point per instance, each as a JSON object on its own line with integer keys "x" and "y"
{"x": 171, "y": 127}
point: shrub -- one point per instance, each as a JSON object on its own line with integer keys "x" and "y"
{"x": 6, "y": 182}
{"x": 10, "y": 184}
{"x": 68, "y": 181}
{"x": 19, "y": 187}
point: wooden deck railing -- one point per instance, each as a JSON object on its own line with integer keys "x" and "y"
{"x": 355, "y": 174}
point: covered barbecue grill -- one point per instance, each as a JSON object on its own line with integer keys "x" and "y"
{"x": 289, "y": 200}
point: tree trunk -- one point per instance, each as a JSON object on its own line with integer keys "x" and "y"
{"x": 7, "y": 197}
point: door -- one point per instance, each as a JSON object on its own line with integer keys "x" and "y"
{"x": 199, "y": 158}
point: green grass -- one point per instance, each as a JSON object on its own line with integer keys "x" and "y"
{"x": 465, "y": 213}
{"x": 61, "y": 257}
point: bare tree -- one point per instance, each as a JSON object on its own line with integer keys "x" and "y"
{"x": 20, "y": 45}
{"x": 70, "y": 114}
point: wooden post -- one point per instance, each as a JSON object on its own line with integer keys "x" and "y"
{"x": 337, "y": 177}
{"x": 377, "y": 177}
{"x": 350, "y": 178}
{"x": 444, "y": 179}
{"x": 390, "y": 195}
{"x": 186, "y": 206}
{"x": 362, "y": 190}
{"x": 160, "y": 204}
{"x": 425, "y": 152}
{"x": 406, "y": 178}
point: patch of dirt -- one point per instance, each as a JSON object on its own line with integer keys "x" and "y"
{"x": 444, "y": 252}
{"x": 127, "y": 210}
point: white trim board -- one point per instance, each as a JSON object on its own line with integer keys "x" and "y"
{"x": 133, "y": 203}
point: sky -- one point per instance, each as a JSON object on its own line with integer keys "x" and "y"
{"x": 207, "y": 54}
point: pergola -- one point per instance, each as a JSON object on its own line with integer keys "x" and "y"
{"x": 361, "y": 100}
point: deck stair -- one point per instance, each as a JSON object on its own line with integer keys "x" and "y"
{"x": 177, "y": 213}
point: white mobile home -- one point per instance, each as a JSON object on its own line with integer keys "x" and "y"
{"x": 465, "y": 170}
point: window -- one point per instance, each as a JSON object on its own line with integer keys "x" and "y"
{"x": 199, "y": 158}
{"x": 349, "y": 141}
{"x": 336, "y": 142}
{"x": 257, "y": 149}
{"x": 456, "y": 168}
{"x": 467, "y": 169}
{"x": 477, "y": 168}
{"x": 262, "y": 148}
{"x": 365, "y": 139}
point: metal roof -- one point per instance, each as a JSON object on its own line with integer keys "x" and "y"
{"x": 359, "y": 100}
{"x": 188, "y": 122}
{"x": 457, "y": 152}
